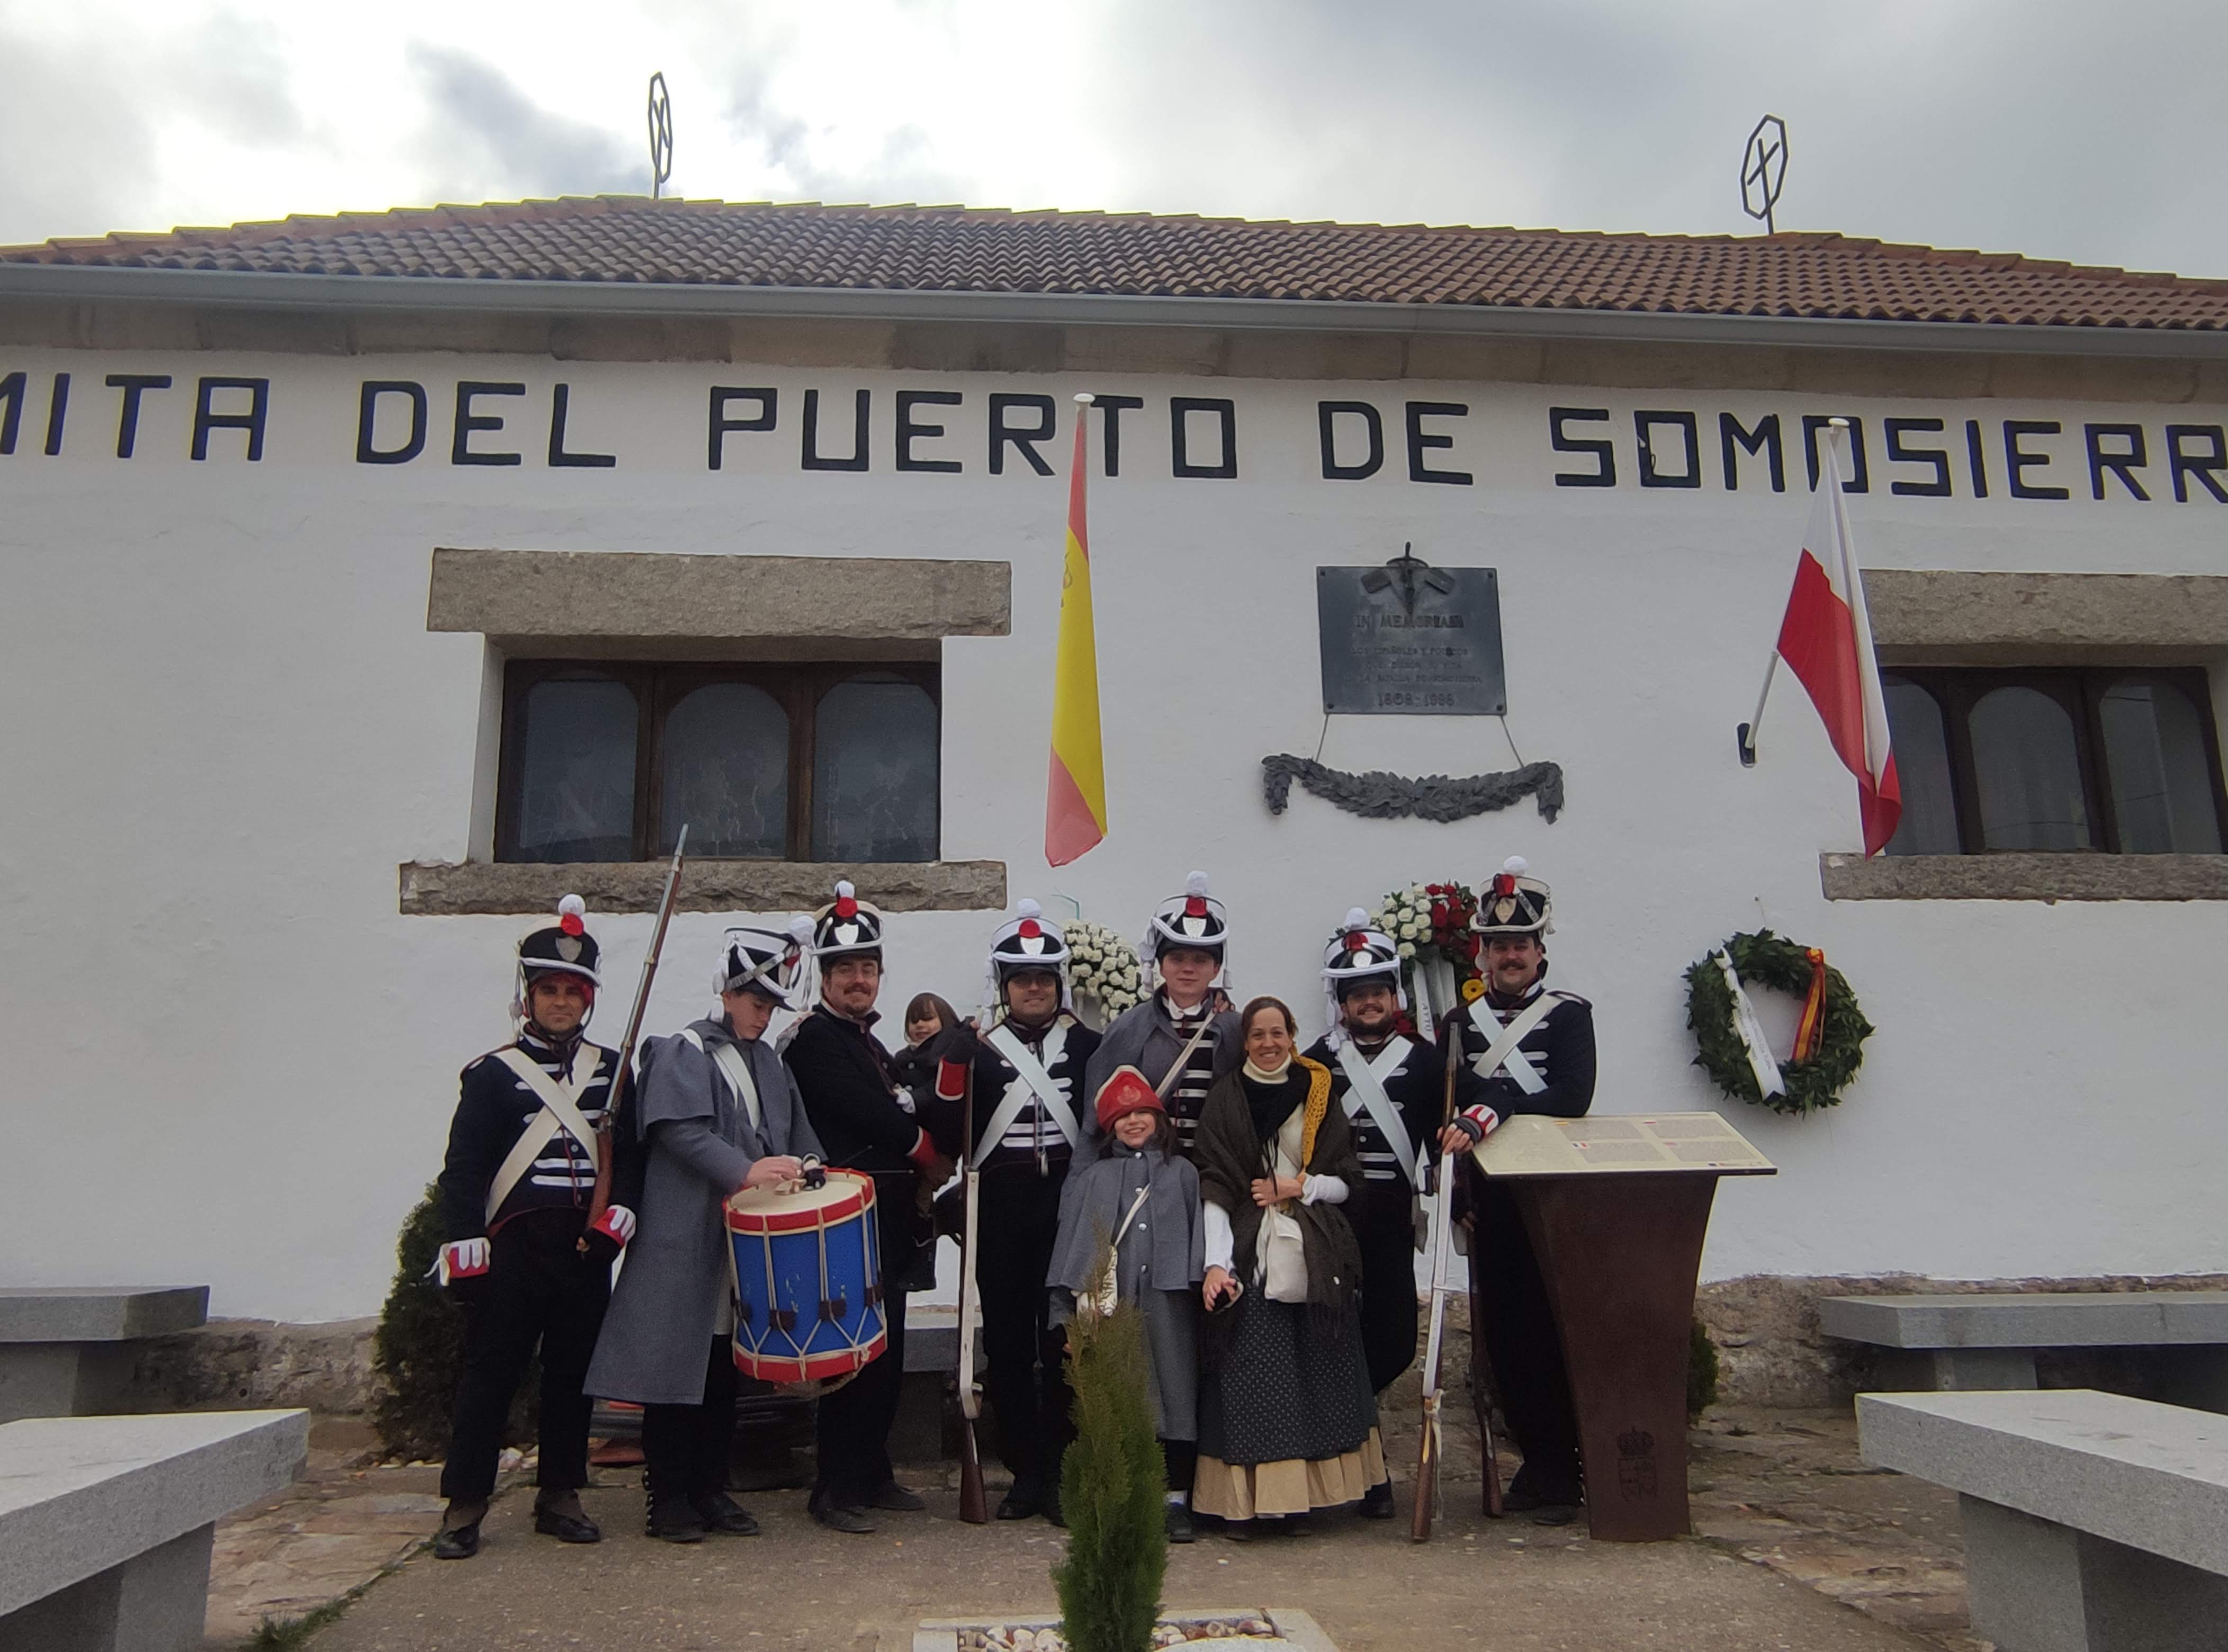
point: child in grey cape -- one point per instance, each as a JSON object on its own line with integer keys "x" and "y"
{"x": 1139, "y": 1194}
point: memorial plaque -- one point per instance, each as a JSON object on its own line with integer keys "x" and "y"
{"x": 1532, "y": 1144}
{"x": 1412, "y": 639}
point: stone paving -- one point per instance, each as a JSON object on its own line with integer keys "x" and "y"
{"x": 1782, "y": 1490}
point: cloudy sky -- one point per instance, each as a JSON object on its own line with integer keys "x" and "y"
{"x": 2060, "y": 128}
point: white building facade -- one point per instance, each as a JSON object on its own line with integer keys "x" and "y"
{"x": 285, "y": 552}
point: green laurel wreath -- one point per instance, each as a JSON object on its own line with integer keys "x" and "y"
{"x": 1764, "y": 959}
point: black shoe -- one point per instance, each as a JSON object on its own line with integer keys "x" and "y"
{"x": 1180, "y": 1528}
{"x": 1554, "y": 1514}
{"x": 836, "y": 1518}
{"x": 1521, "y": 1498}
{"x": 723, "y": 1514}
{"x": 1377, "y": 1502}
{"x": 558, "y": 1515}
{"x": 1026, "y": 1498}
{"x": 672, "y": 1520}
{"x": 1052, "y": 1509}
{"x": 894, "y": 1498}
{"x": 1239, "y": 1531}
{"x": 456, "y": 1542}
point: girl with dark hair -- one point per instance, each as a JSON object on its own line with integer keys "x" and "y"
{"x": 1142, "y": 1198}
{"x": 1287, "y": 1420}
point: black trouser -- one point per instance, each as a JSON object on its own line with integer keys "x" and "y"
{"x": 538, "y": 1288}
{"x": 685, "y": 1447}
{"x": 1181, "y": 1457}
{"x": 853, "y": 1428}
{"x": 1386, "y": 1230}
{"x": 1526, "y": 1349}
{"x": 1027, "y": 1381}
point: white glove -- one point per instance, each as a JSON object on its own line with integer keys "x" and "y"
{"x": 462, "y": 1260}
{"x": 617, "y": 1224}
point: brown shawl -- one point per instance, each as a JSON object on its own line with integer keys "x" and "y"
{"x": 1230, "y": 1155}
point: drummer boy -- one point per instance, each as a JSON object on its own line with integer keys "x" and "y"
{"x": 718, "y": 1113}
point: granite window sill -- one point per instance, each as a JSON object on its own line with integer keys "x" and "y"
{"x": 439, "y": 889}
{"x": 2024, "y": 877}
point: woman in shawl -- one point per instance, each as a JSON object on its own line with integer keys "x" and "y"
{"x": 1287, "y": 1421}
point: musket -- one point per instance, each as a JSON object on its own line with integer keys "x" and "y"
{"x": 1430, "y": 1447}
{"x": 606, "y": 1130}
{"x": 974, "y": 1508}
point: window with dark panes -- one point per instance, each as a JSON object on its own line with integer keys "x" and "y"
{"x": 2122, "y": 760}
{"x": 607, "y": 761}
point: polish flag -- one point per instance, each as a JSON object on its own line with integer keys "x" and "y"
{"x": 1826, "y": 641}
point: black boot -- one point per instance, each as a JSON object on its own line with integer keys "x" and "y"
{"x": 1377, "y": 1502}
{"x": 1026, "y": 1498}
{"x": 558, "y": 1515}
{"x": 669, "y": 1517}
{"x": 460, "y": 1536}
{"x": 723, "y": 1514}
{"x": 1179, "y": 1524}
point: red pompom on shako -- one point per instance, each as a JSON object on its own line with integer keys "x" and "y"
{"x": 1126, "y": 1091}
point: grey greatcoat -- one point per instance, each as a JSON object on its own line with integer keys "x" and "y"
{"x": 1143, "y": 1037}
{"x": 679, "y": 1274}
{"x": 1161, "y": 1260}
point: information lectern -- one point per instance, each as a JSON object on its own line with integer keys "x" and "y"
{"x": 1617, "y": 1206}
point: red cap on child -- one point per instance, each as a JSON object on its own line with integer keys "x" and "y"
{"x": 1126, "y": 1091}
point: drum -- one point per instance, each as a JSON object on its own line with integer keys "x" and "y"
{"x": 808, "y": 1280}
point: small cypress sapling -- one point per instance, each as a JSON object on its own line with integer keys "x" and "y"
{"x": 1111, "y": 1487}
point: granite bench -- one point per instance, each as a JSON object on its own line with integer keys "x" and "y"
{"x": 2093, "y": 1522}
{"x": 107, "y": 1522}
{"x": 1989, "y": 1341}
{"x": 68, "y": 1351}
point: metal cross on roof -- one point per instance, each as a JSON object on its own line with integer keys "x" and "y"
{"x": 1763, "y": 169}
{"x": 661, "y": 135}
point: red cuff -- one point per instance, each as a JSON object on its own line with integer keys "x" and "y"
{"x": 1481, "y": 1116}
{"x": 923, "y": 1150}
{"x": 951, "y": 1080}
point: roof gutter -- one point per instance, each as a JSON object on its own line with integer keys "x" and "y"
{"x": 259, "y": 290}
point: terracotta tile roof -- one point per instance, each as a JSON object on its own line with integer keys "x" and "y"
{"x": 619, "y": 238}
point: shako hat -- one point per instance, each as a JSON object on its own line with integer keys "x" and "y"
{"x": 1030, "y": 941}
{"x": 847, "y": 925}
{"x": 1126, "y": 1091}
{"x": 1190, "y": 920}
{"x": 564, "y": 948}
{"x": 768, "y": 962}
{"x": 1514, "y": 904}
{"x": 1361, "y": 952}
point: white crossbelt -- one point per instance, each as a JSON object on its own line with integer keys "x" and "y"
{"x": 1035, "y": 1081}
{"x": 559, "y": 1111}
{"x": 729, "y": 1060}
{"x": 1366, "y": 1080}
{"x": 1504, "y": 1052}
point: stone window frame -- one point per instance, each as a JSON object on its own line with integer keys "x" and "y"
{"x": 1959, "y": 617}
{"x": 648, "y": 608}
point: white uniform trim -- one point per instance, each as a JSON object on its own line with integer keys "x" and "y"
{"x": 737, "y": 1071}
{"x": 1365, "y": 1079}
{"x": 559, "y": 1111}
{"x": 1035, "y": 1081}
{"x": 1503, "y": 1053}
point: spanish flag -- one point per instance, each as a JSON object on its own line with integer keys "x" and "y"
{"x": 1075, "y": 792}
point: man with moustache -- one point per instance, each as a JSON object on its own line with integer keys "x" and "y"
{"x": 1392, "y": 1086}
{"x": 864, "y": 1122}
{"x": 1532, "y": 1048}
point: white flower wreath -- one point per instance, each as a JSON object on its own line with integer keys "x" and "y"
{"x": 1104, "y": 968}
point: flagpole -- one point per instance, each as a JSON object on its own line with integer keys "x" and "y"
{"x": 1744, "y": 734}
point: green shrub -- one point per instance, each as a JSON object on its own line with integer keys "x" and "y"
{"x": 1112, "y": 1487}
{"x": 1701, "y": 1372}
{"x": 418, "y": 1350}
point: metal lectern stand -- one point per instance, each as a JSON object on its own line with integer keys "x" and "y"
{"x": 1616, "y": 1206}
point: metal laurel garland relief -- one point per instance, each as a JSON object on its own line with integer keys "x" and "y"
{"x": 1380, "y": 796}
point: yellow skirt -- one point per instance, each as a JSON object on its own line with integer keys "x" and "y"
{"x": 1242, "y": 1491}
